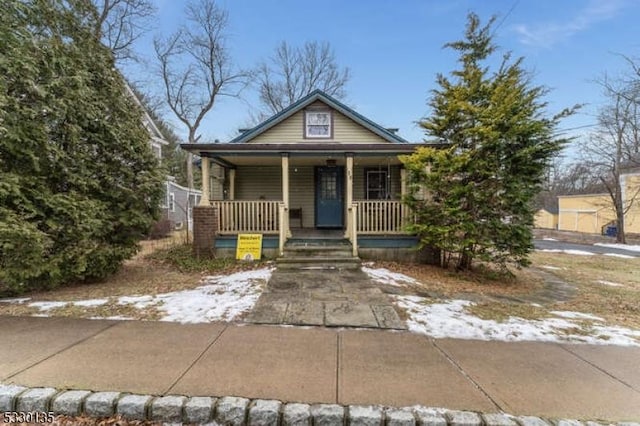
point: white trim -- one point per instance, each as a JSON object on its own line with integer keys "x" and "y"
{"x": 172, "y": 202}
{"x": 311, "y": 113}
{"x": 191, "y": 191}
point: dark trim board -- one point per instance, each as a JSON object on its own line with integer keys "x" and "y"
{"x": 396, "y": 241}
{"x": 231, "y": 242}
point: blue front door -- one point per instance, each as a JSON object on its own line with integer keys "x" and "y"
{"x": 329, "y": 197}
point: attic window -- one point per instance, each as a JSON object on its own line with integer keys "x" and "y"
{"x": 318, "y": 124}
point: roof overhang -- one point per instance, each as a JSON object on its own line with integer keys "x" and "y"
{"x": 319, "y": 149}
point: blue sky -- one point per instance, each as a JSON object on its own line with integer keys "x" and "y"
{"x": 394, "y": 50}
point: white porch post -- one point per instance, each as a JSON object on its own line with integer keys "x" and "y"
{"x": 349, "y": 197}
{"x": 403, "y": 182}
{"x": 285, "y": 193}
{"x": 232, "y": 184}
{"x": 205, "y": 200}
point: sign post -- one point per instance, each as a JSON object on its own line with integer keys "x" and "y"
{"x": 249, "y": 247}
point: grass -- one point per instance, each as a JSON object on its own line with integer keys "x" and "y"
{"x": 618, "y": 305}
{"x": 167, "y": 265}
{"x": 161, "y": 266}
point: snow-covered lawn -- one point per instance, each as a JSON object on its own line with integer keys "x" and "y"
{"x": 452, "y": 318}
{"x": 221, "y": 298}
{"x": 619, "y": 246}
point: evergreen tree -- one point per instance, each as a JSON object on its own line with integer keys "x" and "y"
{"x": 79, "y": 185}
{"x": 497, "y": 145}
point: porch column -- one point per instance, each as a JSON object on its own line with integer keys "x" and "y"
{"x": 403, "y": 182}
{"x": 349, "y": 193}
{"x": 232, "y": 184}
{"x": 285, "y": 193}
{"x": 205, "y": 200}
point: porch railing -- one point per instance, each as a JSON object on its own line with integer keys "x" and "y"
{"x": 381, "y": 217}
{"x": 250, "y": 216}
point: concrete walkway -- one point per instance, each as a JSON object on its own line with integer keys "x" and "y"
{"x": 335, "y": 298}
{"x": 320, "y": 365}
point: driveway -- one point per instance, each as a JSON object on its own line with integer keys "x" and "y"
{"x": 561, "y": 245}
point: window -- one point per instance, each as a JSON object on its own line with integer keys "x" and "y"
{"x": 376, "y": 184}
{"x": 317, "y": 124}
{"x": 157, "y": 150}
{"x": 329, "y": 186}
{"x": 172, "y": 202}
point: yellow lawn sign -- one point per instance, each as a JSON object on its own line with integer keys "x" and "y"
{"x": 249, "y": 247}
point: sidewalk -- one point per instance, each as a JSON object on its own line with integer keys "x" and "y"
{"x": 322, "y": 365}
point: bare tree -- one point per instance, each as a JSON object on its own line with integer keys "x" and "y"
{"x": 120, "y": 23}
{"x": 294, "y": 72}
{"x": 615, "y": 147}
{"x": 196, "y": 68}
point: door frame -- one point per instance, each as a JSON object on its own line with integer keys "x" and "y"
{"x": 340, "y": 187}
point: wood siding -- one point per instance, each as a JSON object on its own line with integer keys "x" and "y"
{"x": 259, "y": 182}
{"x": 217, "y": 183}
{"x": 291, "y": 130}
{"x": 302, "y": 194}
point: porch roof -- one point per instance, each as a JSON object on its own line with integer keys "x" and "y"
{"x": 232, "y": 154}
{"x": 219, "y": 149}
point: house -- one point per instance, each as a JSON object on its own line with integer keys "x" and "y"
{"x": 178, "y": 201}
{"x": 317, "y": 169}
{"x": 178, "y": 204}
{"x": 546, "y": 218}
{"x": 593, "y": 213}
{"x": 157, "y": 140}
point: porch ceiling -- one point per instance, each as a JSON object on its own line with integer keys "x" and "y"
{"x": 319, "y": 160}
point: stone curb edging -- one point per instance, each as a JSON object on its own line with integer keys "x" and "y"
{"x": 238, "y": 411}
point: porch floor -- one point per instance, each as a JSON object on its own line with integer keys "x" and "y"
{"x": 317, "y": 234}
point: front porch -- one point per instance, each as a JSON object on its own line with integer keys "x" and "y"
{"x": 307, "y": 195}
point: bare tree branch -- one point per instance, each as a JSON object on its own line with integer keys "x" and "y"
{"x": 294, "y": 72}
{"x": 121, "y": 22}
{"x": 196, "y": 68}
{"x": 615, "y": 147}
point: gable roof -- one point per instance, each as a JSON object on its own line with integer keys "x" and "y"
{"x": 152, "y": 128}
{"x": 318, "y": 95}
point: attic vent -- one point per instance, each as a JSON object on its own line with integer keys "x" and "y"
{"x": 393, "y": 130}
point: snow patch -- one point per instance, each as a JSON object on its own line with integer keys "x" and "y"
{"x": 15, "y": 300}
{"x": 450, "y": 319}
{"x": 47, "y": 306}
{"x": 90, "y": 302}
{"x": 385, "y": 276}
{"x": 553, "y": 268}
{"x": 548, "y": 239}
{"x": 576, "y": 252}
{"x": 609, "y": 283}
{"x": 576, "y": 315}
{"x": 620, "y": 246}
{"x": 622, "y": 256}
{"x": 223, "y": 298}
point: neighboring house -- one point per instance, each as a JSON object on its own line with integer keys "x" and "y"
{"x": 178, "y": 201}
{"x": 317, "y": 168}
{"x": 546, "y": 219}
{"x": 593, "y": 213}
{"x": 157, "y": 140}
{"x": 178, "y": 204}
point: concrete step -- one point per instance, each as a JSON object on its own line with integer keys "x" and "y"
{"x": 315, "y": 251}
{"x": 318, "y": 262}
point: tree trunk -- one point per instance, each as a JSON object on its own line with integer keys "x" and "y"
{"x": 620, "y": 235}
{"x": 192, "y": 139}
